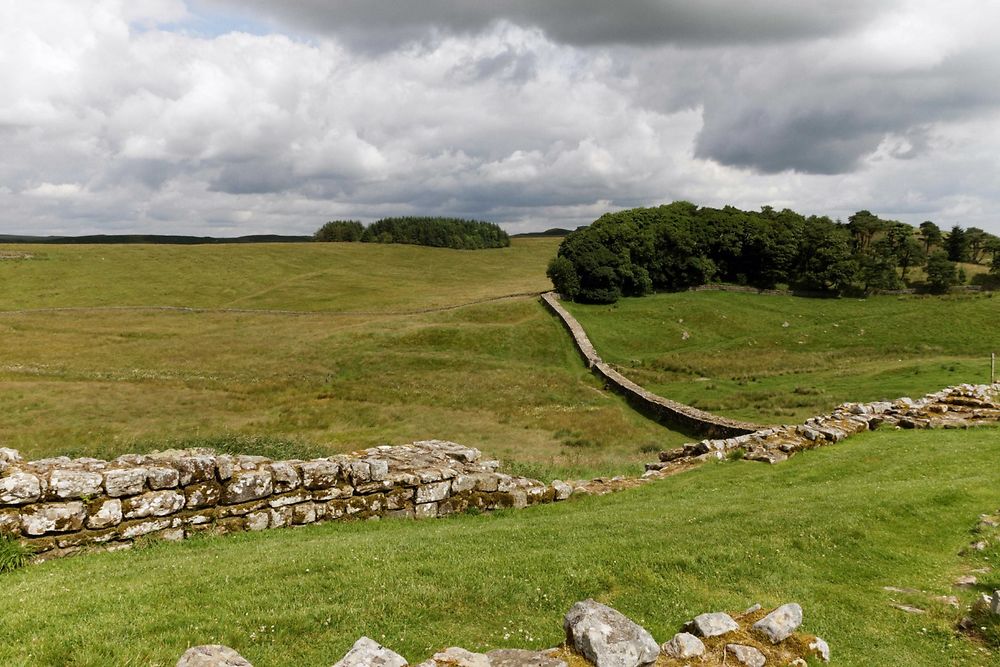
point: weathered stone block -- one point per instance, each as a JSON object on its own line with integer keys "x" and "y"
{"x": 333, "y": 493}
{"x": 241, "y": 509}
{"x": 52, "y": 518}
{"x": 373, "y": 487}
{"x": 461, "y": 483}
{"x": 378, "y": 469}
{"x": 124, "y": 481}
{"x": 358, "y": 472}
{"x": 426, "y": 511}
{"x": 247, "y": 485}
{"x": 780, "y": 623}
{"x": 399, "y": 498}
{"x": 71, "y": 484}
{"x": 194, "y": 469}
{"x": 284, "y": 476}
{"x": 280, "y": 516}
{"x": 292, "y": 498}
{"x": 746, "y": 655}
{"x": 258, "y": 520}
{"x": 162, "y": 477}
{"x": 320, "y": 474}
{"x": 368, "y": 653}
{"x": 104, "y": 513}
{"x": 561, "y": 490}
{"x": 433, "y": 492}
{"x": 607, "y": 637}
{"x": 20, "y": 488}
{"x": 714, "y": 624}
{"x": 204, "y": 494}
{"x": 304, "y": 513}
{"x": 212, "y": 655}
{"x": 152, "y": 503}
{"x": 224, "y": 467}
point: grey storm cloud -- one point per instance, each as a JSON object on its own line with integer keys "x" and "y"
{"x": 253, "y": 115}
{"x": 577, "y": 22}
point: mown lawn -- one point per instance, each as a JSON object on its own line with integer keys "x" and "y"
{"x": 828, "y": 529}
{"x": 783, "y": 359}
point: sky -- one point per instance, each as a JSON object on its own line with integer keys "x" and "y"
{"x": 229, "y": 117}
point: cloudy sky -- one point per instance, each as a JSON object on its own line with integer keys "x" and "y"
{"x": 229, "y": 117}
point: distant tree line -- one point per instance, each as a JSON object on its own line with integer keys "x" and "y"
{"x": 678, "y": 245}
{"x": 436, "y": 232}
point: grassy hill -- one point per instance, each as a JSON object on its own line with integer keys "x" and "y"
{"x": 783, "y": 359}
{"x": 828, "y": 529}
{"x": 362, "y": 369}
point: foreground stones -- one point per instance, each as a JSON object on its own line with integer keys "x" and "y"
{"x": 601, "y": 636}
{"x": 606, "y": 637}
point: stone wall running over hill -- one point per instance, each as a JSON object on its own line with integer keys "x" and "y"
{"x": 59, "y": 506}
{"x": 675, "y": 414}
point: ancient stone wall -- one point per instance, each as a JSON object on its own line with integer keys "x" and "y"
{"x": 672, "y": 413}
{"x": 59, "y": 505}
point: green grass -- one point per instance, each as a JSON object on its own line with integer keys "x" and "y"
{"x": 740, "y": 359}
{"x": 282, "y": 276}
{"x": 828, "y": 529}
{"x": 501, "y": 376}
{"x": 13, "y": 554}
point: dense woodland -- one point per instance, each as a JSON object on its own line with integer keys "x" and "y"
{"x": 678, "y": 245}
{"x": 436, "y": 232}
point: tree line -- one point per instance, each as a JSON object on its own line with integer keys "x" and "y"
{"x": 678, "y": 245}
{"x": 429, "y": 231}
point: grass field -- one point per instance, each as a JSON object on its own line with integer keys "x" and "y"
{"x": 784, "y": 359}
{"x": 361, "y": 370}
{"x": 828, "y": 529}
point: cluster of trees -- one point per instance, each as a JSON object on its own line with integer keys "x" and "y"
{"x": 436, "y": 232}
{"x": 679, "y": 245}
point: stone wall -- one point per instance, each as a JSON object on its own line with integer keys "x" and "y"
{"x": 59, "y": 505}
{"x": 680, "y": 416}
{"x": 958, "y": 407}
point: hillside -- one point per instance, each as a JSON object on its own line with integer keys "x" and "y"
{"x": 363, "y": 369}
{"x": 828, "y": 529}
{"x": 783, "y": 358}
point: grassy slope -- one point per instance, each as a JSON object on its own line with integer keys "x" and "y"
{"x": 286, "y": 276}
{"x": 828, "y": 529}
{"x": 739, "y": 359}
{"x": 501, "y": 376}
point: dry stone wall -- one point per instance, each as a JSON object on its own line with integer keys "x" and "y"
{"x": 678, "y": 415}
{"x": 59, "y": 505}
{"x": 958, "y": 407}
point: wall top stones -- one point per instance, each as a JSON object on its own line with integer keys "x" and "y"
{"x": 59, "y": 505}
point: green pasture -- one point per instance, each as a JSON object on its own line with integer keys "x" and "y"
{"x": 362, "y": 369}
{"x": 829, "y": 529}
{"x": 782, "y": 359}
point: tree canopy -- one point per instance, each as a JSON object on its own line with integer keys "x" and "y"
{"x": 429, "y": 231}
{"x": 678, "y": 245}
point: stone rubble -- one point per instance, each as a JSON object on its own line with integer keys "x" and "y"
{"x": 962, "y": 406}
{"x": 596, "y": 634}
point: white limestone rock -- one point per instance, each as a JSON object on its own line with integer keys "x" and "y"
{"x": 369, "y": 653}
{"x": 607, "y": 637}
{"x": 212, "y": 655}
{"x": 714, "y": 624}
{"x": 746, "y": 655}
{"x": 683, "y": 645}
{"x": 780, "y": 623}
